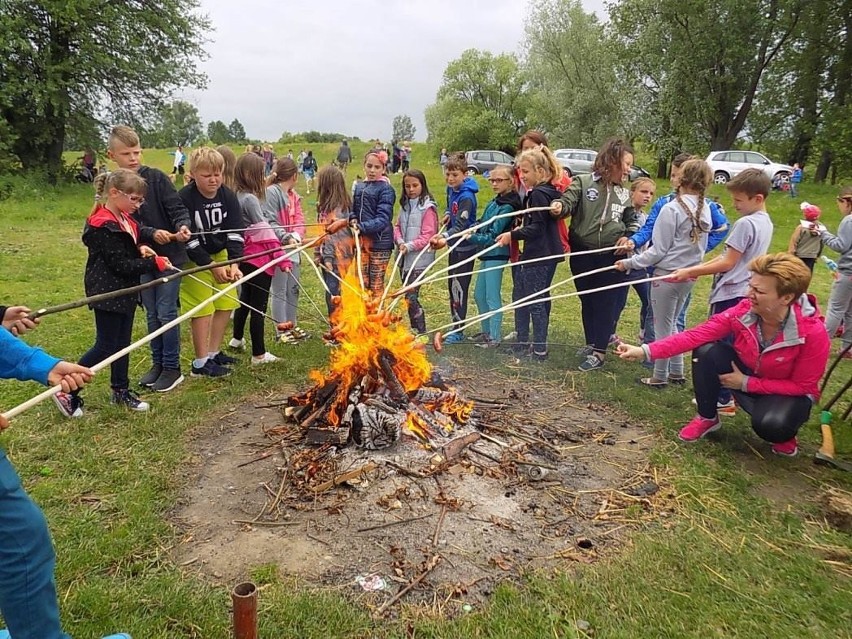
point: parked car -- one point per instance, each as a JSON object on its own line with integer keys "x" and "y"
{"x": 576, "y": 161}
{"x": 726, "y": 164}
{"x": 482, "y": 161}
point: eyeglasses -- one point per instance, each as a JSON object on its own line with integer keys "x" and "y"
{"x": 495, "y": 180}
{"x": 134, "y": 199}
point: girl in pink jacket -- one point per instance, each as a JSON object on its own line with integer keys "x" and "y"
{"x": 779, "y": 352}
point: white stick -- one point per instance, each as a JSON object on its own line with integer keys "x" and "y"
{"x": 476, "y": 318}
{"x": 20, "y": 408}
{"x": 550, "y": 298}
{"x": 357, "y": 234}
{"x": 399, "y": 256}
{"x": 422, "y": 251}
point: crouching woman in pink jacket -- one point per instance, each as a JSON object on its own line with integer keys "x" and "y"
{"x": 776, "y": 356}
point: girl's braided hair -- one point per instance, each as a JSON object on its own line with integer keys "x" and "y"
{"x": 696, "y": 175}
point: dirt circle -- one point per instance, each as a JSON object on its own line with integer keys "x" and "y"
{"x": 550, "y": 482}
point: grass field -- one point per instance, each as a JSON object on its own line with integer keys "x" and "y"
{"x": 745, "y": 552}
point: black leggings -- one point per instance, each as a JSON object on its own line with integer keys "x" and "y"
{"x": 113, "y": 332}
{"x": 775, "y": 418}
{"x": 255, "y": 293}
{"x": 459, "y": 285}
{"x": 600, "y": 311}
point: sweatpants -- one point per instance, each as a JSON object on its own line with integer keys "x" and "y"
{"x": 459, "y": 286}
{"x": 285, "y": 294}
{"x": 488, "y": 297}
{"x": 113, "y": 331}
{"x": 649, "y": 320}
{"x": 416, "y": 314}
{"x": 28, "y": 600}
{"x": 667, "y": 300}
{"x": 775, "y": 418}
{"x": 840, "y": 308}
{"x": 254, "y": 293}
{"x": 532, "y": 279}
{"x": 600, "y": 310}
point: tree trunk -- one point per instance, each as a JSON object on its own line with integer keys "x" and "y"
{"x": 823, "y": 166}
{"x": 662, "y": 167}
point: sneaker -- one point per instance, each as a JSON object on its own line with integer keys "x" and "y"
{"x": 786, "y": 449}
{"x": 210, "y": 369}
{"x": 120, "y": 635}
{"x": 698, "y": 428}
{"x": 480, "y": 338}
{"x": 69, "y": 404}
{"x": 585, "y": 351}
{"x": 237, "y": 344}
{"x": 540, "y": 357}
{"x": 489, "y": 343}
{"x": 151, "y": 376}
{"x": 224, "y": 360}
{"x": 454, "y": 338}
{"x": 127, "y": 397}
{"x": 728, "y": 409}
{"x": 519, "y": 349}
{"x": 266, "y": 358}
{"x": 592, "y": 362}
{"x": 169, "y": 378}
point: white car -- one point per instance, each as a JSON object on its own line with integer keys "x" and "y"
{"x": 726, "y": 164}
{"x": 576, "y": 161}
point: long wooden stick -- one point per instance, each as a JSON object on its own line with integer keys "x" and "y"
{"x": 139, "y": 287}
{"x": 430, "y": 566}
{"x": 50, "y": 392}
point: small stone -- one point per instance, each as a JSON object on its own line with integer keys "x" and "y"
{"x": 436, "y": 460}
{"x": 583, "y": 625}
{"x": 467, "y": 608}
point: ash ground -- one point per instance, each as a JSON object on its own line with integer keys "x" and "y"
{"x": 500, "y": 518}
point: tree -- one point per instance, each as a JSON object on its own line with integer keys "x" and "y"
{"x": 702, "y": 64}
{"x": 482, "y": 103}
{"x": 67, "y": 61}
{"x": 217, "y": 132}
{"x": 577, "y": 95}
{"x": 403, "y": 128}
{"x": 177, "y": 123}
{"x": 237, "y": 131}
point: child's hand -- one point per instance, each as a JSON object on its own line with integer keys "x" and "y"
{"x": 147, "y": 251}
{"x": 236, "y": 273}
{"x": 624, "y": 245}
{"x": 221, "y": 274}
{"x": 403, "y": 249}
{"x": 71, "y": 376}
{"x": 183, "y": 234}
{"x": 556, "y": 208}
{"x": 162, "y": 237}
{"x": 504, "y": 239}
{"x": 681, "y": 275}
{"x": 336, "y": 226}
{"x": 437, "y": 242}
{"x": 16, "y": 321}
{"x": 630, "y": 353}
{"x": 621, "y": 265}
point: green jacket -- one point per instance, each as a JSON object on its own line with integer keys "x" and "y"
{"x": 600, "y": 213}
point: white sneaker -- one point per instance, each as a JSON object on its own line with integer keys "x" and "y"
{"x": 266, "y": 358}
{"x": 237, "y": 344}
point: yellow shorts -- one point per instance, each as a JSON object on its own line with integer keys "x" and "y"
{"x": 193, "y": 292}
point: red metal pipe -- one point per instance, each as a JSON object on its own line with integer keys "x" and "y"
{"x": 244, "y": 598}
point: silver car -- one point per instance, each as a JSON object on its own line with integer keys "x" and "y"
{"x": 726, "y": 164}
{"x": 576, "y": 161}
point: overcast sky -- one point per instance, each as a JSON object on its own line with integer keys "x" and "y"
{"x": 346, "y": 66}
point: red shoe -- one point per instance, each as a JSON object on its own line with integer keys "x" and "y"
{"x": 698, "y": 428}
{"x": 786, "y": 449}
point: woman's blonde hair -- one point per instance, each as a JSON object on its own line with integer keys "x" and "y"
{"x": 124, "y": 180}
{"x": 542, "y": 158}
{"x": 248, "y": 175}
{"x": 791, "y": 275}
{"x": 230, "y": 161}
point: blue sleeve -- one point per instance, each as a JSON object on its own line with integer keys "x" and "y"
{"x": 19, "y": 360}
{"x": 720, "y": 226}
{"x": 642, "y": 236}
{"x": 487, "y": 234}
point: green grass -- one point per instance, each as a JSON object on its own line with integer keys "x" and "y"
{"x": 724, "y": 561}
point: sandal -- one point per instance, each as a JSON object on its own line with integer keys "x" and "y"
{"x": 653, "y": 382}
{"x": 299, "y": 333}
{"x": 287, "y": 337}
{"x": 680, "y": 381}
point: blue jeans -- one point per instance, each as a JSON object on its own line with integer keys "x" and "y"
{"x": 161, "y": 307}
{"x": 27, "y": 587}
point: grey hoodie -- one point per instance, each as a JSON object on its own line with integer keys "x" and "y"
{"x": 671, "y": 246}
{"x": 842, "y": 243}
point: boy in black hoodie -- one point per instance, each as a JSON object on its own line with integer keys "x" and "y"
{"x": 161, "y": 209}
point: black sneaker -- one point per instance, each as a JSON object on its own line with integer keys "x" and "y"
{"x": 69, "y": 404}
{"x": 224, "y": 360}
{"x": 168, "y": 379}
{"x": 126, "y": 397}
{"x": 151, "y": 376}
{"x": 210, "y": 369}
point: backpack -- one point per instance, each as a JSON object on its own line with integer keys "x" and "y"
{"x": 309, "y": 164}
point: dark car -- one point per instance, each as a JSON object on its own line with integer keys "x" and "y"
{"x": 482, "y": 161}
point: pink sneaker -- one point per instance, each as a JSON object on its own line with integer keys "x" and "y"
{"x": 698, "y": 428}
{"x": 786, "y": 449}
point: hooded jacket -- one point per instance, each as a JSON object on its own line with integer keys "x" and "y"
{"x": 504, "y": 203}
{"x": 114, "y": 261}
{"x": 461, "y": 212}
{"x": 283, "y": 210}
{"x": 163, "y": 209}
{"x": 792, "y": 365}
{"x": 372, "y": 208}
{"x": 417, "y": 223}
{"x": 600, "y": 212}
{"x": 540, "y": 230}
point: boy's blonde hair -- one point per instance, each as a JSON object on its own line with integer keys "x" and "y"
{"x": 751, "y": 183}
{"x": 205, "y": 157}
{"x": 123, "y": 134}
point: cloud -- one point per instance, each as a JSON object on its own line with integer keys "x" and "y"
{"x": 348, "y": 66}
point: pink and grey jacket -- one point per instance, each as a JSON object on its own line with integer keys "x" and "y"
{"x": 792, "y": 365}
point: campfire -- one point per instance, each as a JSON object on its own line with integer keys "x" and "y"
{"x": 379, "y": 385}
